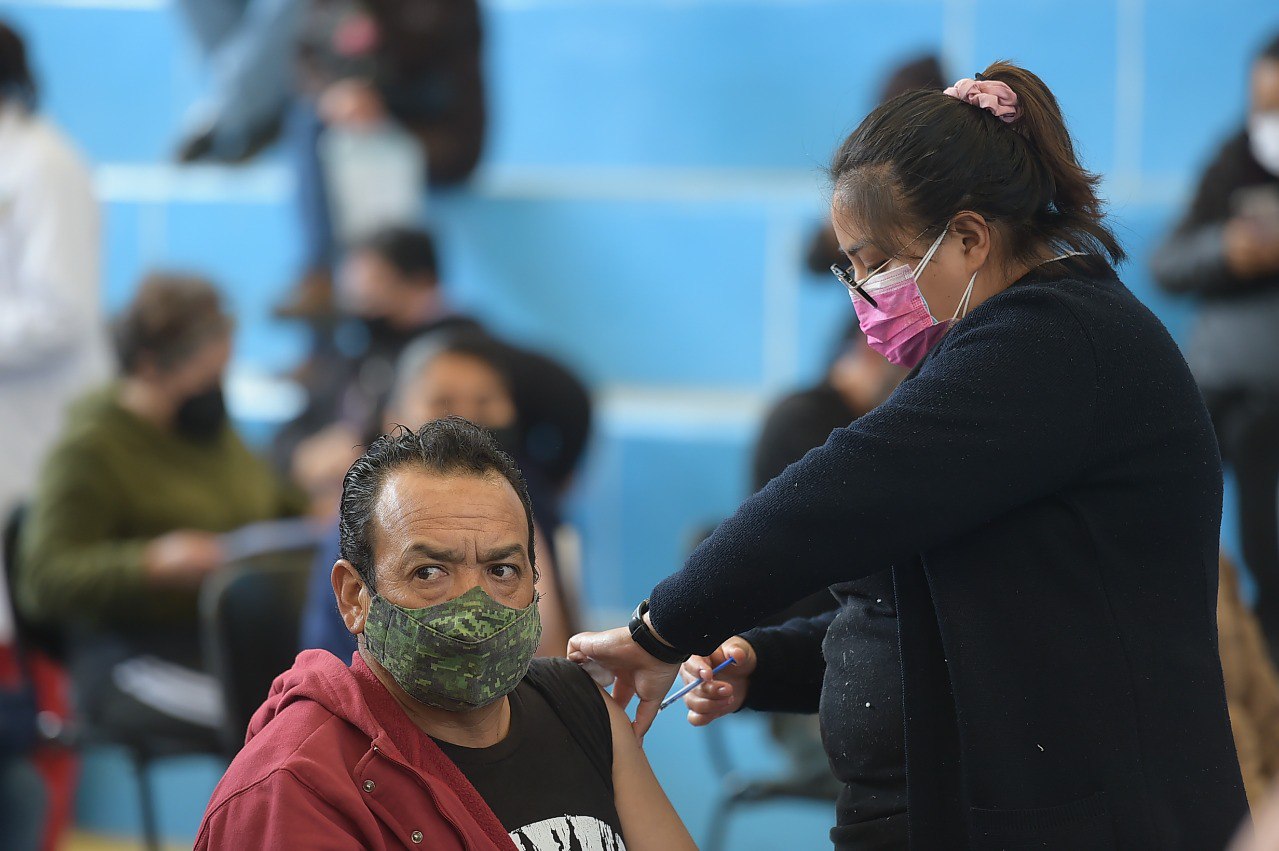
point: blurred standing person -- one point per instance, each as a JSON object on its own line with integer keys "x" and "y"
{"x": 393, "y": 69}
{"x": 125, "y": 521}
{"x": 53, "y": 346}
{"x": 1226, "y": 252}
{"x": 249, "y": 48}
{"x": 52, "y": 338}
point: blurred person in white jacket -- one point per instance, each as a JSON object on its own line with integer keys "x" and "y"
{"x": 53, "y": 341}
{"x": 52, "y": 347}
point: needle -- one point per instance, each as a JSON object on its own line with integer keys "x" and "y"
{"x": 695, "y": 683}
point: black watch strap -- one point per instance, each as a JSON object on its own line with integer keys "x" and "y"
{"x": 643, "y": 636}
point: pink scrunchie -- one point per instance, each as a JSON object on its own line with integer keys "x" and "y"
{"x": 990, "y": 95}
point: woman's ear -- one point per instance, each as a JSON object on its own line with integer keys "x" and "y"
{"x": 352, "y": 595}
{"x": 975, "y": 236}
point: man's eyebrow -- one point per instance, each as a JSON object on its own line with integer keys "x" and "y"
{"x": 499, "y": 553}
{"x": 437, "y": 553}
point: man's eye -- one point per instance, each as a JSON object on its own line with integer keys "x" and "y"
{"x": 430, "y": 571}
{"x": 504, "y": 571}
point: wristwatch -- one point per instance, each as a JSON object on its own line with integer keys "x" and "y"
{"x": 644, "y": 637}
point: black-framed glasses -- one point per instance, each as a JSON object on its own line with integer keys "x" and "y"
{"x": 846, "y": 278}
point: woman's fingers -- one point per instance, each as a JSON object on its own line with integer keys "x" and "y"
{"x": 711, "y": 700}
{"x": 696, "y": 668}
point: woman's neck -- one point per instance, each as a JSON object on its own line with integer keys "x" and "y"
{"x": 474, "y": 728}
{"x": 145, "y": 402}
{"x": 1004, "y": 274}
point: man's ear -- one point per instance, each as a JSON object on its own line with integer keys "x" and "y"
{"x": 352, "y": 595}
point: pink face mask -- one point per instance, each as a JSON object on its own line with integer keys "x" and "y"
{"x": 899, "y": 324}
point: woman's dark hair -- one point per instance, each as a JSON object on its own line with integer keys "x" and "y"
{"x": 410, "y": 251}
{"x": 171, "y": 316}
{"x": 924, "y": 156}
{"x": 449, "y": 445}
{"x": 16, "y": 82}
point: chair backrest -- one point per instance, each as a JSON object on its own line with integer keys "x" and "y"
{"x": 250, "y": 614}
{"x": 31, "y": 634}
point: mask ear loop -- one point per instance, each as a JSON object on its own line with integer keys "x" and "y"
{"x": 928, "y": 255}
{"x": 963, "y": 302}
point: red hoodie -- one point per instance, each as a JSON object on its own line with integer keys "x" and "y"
{"x": 331, "y": 761}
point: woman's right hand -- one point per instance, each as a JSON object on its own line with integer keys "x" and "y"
{"x": 727, "y": 691}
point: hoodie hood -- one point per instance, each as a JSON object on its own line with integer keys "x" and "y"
{"x": 318, "y": 676}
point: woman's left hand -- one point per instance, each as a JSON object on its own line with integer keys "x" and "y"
{"x": 634, "y": 672}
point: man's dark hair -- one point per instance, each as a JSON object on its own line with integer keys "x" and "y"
{"x": 448, "y": 446}
{"x": 410, "y": 251}
{"x": 16, "y": 82}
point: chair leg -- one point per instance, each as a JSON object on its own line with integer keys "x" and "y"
{"x": 719, "y": 824}
{"x": 150, "y": 828}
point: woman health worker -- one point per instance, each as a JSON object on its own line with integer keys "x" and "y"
{"x": 1045, "y": 487}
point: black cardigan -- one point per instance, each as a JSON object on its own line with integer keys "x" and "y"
{"x": 1047, "y": 490}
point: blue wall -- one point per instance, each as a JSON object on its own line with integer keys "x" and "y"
{"x": 653, "y": 172}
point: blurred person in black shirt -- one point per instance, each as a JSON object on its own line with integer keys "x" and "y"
{"x": 1225, "y": 252}
{"x": 391, "y": 293}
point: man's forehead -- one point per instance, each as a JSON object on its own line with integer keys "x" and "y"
{"x": 413, "y": 499}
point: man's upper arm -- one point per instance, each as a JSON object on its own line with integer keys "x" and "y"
{"x": 649, "y": 821}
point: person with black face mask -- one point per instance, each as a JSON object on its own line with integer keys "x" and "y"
{"x": 125, "y": 520}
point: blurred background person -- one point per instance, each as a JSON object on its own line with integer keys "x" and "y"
{"x": 248, "y": 47}
{"x": 460, "y": 375}
{"x": 52, "y": 337}
{"x": 390, "y": 293}
{"x": 371, "y": 75}
{"x": 124, "y": 524}
{"x": 52, "y": 347}
{"x": 1225, "y": 251}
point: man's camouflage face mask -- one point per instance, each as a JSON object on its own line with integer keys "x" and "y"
{"x": 461, "y": 654}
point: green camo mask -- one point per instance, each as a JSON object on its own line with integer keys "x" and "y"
{"x": 461, "y": 654}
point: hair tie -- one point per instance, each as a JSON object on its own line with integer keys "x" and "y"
{"x": 991, "y": 95}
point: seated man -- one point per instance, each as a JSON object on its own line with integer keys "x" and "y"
{"x": 444, "y": 732}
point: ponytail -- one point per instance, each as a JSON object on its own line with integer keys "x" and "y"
{"x": 1075, "y": 214}
{"x": 922, "y": 157}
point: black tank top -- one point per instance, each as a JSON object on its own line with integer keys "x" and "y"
{"x": 550, "y": 781}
